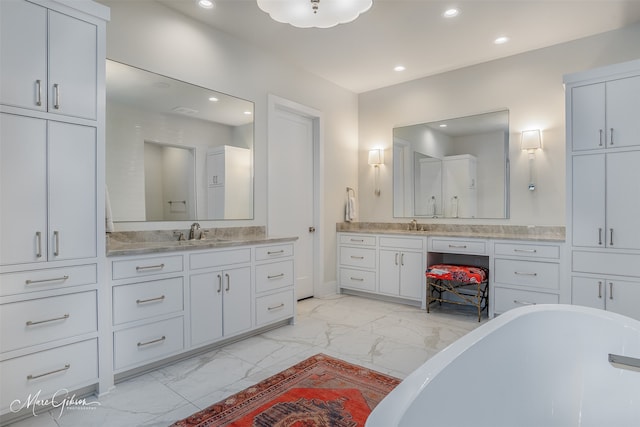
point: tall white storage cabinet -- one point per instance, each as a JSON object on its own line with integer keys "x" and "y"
{"x": 603, "y": 187}
{"x": 229, "y": 183}
{"x": 52, "y": 56}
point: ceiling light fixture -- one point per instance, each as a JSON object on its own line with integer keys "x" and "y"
{"x": 314, "y": 13}
{"x": 399, "y": 68}
{"x": 451, "y": 13}
{"x": 206, "y": 4}
{"x": 501, "y": 40}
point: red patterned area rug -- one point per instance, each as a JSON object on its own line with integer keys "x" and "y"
{"x": 319, "y": 391}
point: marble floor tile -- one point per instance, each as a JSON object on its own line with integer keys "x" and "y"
{"x": 391, "y": 338}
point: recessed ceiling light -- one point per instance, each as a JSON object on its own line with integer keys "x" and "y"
{"x": 213, "y": 99}
{"x": 443, "y": 125}
{"x": 451, "y": 13}
{"x": 399, "y": 68}
{"x": 247, "y": 113}
{"x": 501, "y": 40}
{"x": 206, "y": 4}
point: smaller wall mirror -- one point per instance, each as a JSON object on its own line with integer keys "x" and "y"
{"x": 176, "y": 151}
{"x": 455, "y": 168}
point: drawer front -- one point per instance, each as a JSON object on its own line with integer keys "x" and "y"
{"x": 219, "y": 258}
{"x": 50, "y": 278}
{"x": 605, "y": 263}
{"x": 527, "y": 273}
{"x": 402, "y": 243}
{"x": 527, "y": 251}
{"x": 143, "y": 300}
{"x": 358, "y": 279}
{"x": 274, "y": 275}
{"x": 140, "y": 267}
{"x": 43, "y": 320}
{"x": 459, "y": 246}
{"x": 506, "y": 299}
{"x": 275, "y": 307}
{"x": 358, "y": 257}
{"x": 272, "y": 252}
{"x": 68, "y": 367}
{"x": 357, "y": 239}
{"x": 136, "y": 346}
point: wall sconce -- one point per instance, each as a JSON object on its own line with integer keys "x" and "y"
{"x": 530, "y": 141}
{"x": 376, "y": 158}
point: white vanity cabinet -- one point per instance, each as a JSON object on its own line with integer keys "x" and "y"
{"x": 49, "y": 59}
{"x": 52, "y": 264}
{"x": 220, "y": 294}
{"x": 402, "y": 261}
{"x": 275, "y": 279}
{"x": 525, "y": 273}
{"x": 603, "y": 180}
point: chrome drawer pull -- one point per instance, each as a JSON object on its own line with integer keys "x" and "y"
{"x": 599, "y": 236}
{"x": 38, "y": 93}
{"x": 530, "y": 251}
{"x": 356, "y": 257}
{"x": 357, "y": 240}
{"x": 357, "y": 279}
{"x": 277, "y": 276}
{"x": 150, "y": 267}
{"x": 55, "y": 279}
{"x": 56, "y": 237}
{"x": 142, "y": 344}
{"x": 600, "y": 144}
{"x": 56, "y": 96}
{"x": 458, "y": 246}
{"x": 611, "y": 237}
{"x": 275, "y": 307}
{"x": 39, "y": 240}
{"x": 33, "y": 377}
{"x": 611, "y": 139}
{"x": 142, "y": 301}
{"x": 30, "y": 323}
{"x": 610, "y": 290}
{"x": 515, "y": 301}
{"x": 599, "y": 289}
{"x": 219, "y": 283}
{"x": 281, "y": 251}
{"x": 228, "y": 282}
{"x": 524, "y": 273}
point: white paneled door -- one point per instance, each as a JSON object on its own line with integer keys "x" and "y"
{"x": 291, "y": 186}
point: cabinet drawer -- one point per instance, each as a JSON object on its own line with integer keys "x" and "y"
{"x": 219, "y": 258}
{"x": 274, "y": 275}
{"x": 50, "y": 278}
{"x": 527, "y": 251}
{"x": 358, "y": 257}
{"x": 275, "y": 251}
{"x": 402, "y": 242}
{"x": 358, "y": 279}
{"x": 135, "y": 346}
{"x": 68, "y": 367}
{"x": 459, "y": 246}
{"x": 527, "y": 273}
{"x": 42, "y": 320}
{"x": 359, "y": 240}
{"x": 140, "y": 267}
{"x": 275, "y": 307}
{"x": 506, "y": 299}
{"x": 142, "y": 300}
{"x": 606, "y": 263}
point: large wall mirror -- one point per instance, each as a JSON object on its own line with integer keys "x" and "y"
{"x": 176, "y": 151}
{"x": 455, "y": 168}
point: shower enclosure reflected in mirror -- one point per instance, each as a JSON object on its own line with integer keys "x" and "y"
{"x": 455, "y": 168}
{"x": 176, "y": 151}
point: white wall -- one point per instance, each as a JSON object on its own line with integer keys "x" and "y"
{"x": 529, "y": 85}
{"x": 148, "y": 35}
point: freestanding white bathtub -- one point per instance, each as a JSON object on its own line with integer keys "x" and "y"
{"x": 537, "y": 366}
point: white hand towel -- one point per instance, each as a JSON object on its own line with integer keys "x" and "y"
{"x": 107, "y": 212}
{"x": 351, "y": 211}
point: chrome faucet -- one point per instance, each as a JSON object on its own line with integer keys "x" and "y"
{"x": 192, "y": 232}
{"x": 413, "y": 225}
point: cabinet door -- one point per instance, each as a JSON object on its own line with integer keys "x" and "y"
{"x": 589, "y": 292}
{"x": 623, "y": 298}
{"x": 390, "y": 272}
{"x": 623, "y": 98}
{"x": 588, "y": 117}
{"x": 23, "y": 189}
{"x": 206, "y": 307}
{"x": 23, "y": 55}
{"x": 72, "y": 66}
{"x": 215, "y": 169}
{"x": 412, "y": 276}
{"x": 72, "y": 191}
{"x": 237, "y": 300}
{"x": 588, "y": 211}
{"x": 623, "y": 200}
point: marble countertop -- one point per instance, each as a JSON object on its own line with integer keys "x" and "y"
{"x": 498, "y": 232}
{"x": 126, "y": 243}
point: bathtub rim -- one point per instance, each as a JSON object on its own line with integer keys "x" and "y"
{"x": 390, "y": 410}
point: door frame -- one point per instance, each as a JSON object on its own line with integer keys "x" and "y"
{"x": 278, "y": 103}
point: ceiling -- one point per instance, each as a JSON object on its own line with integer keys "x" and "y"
{"x": 360, "y": 56}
